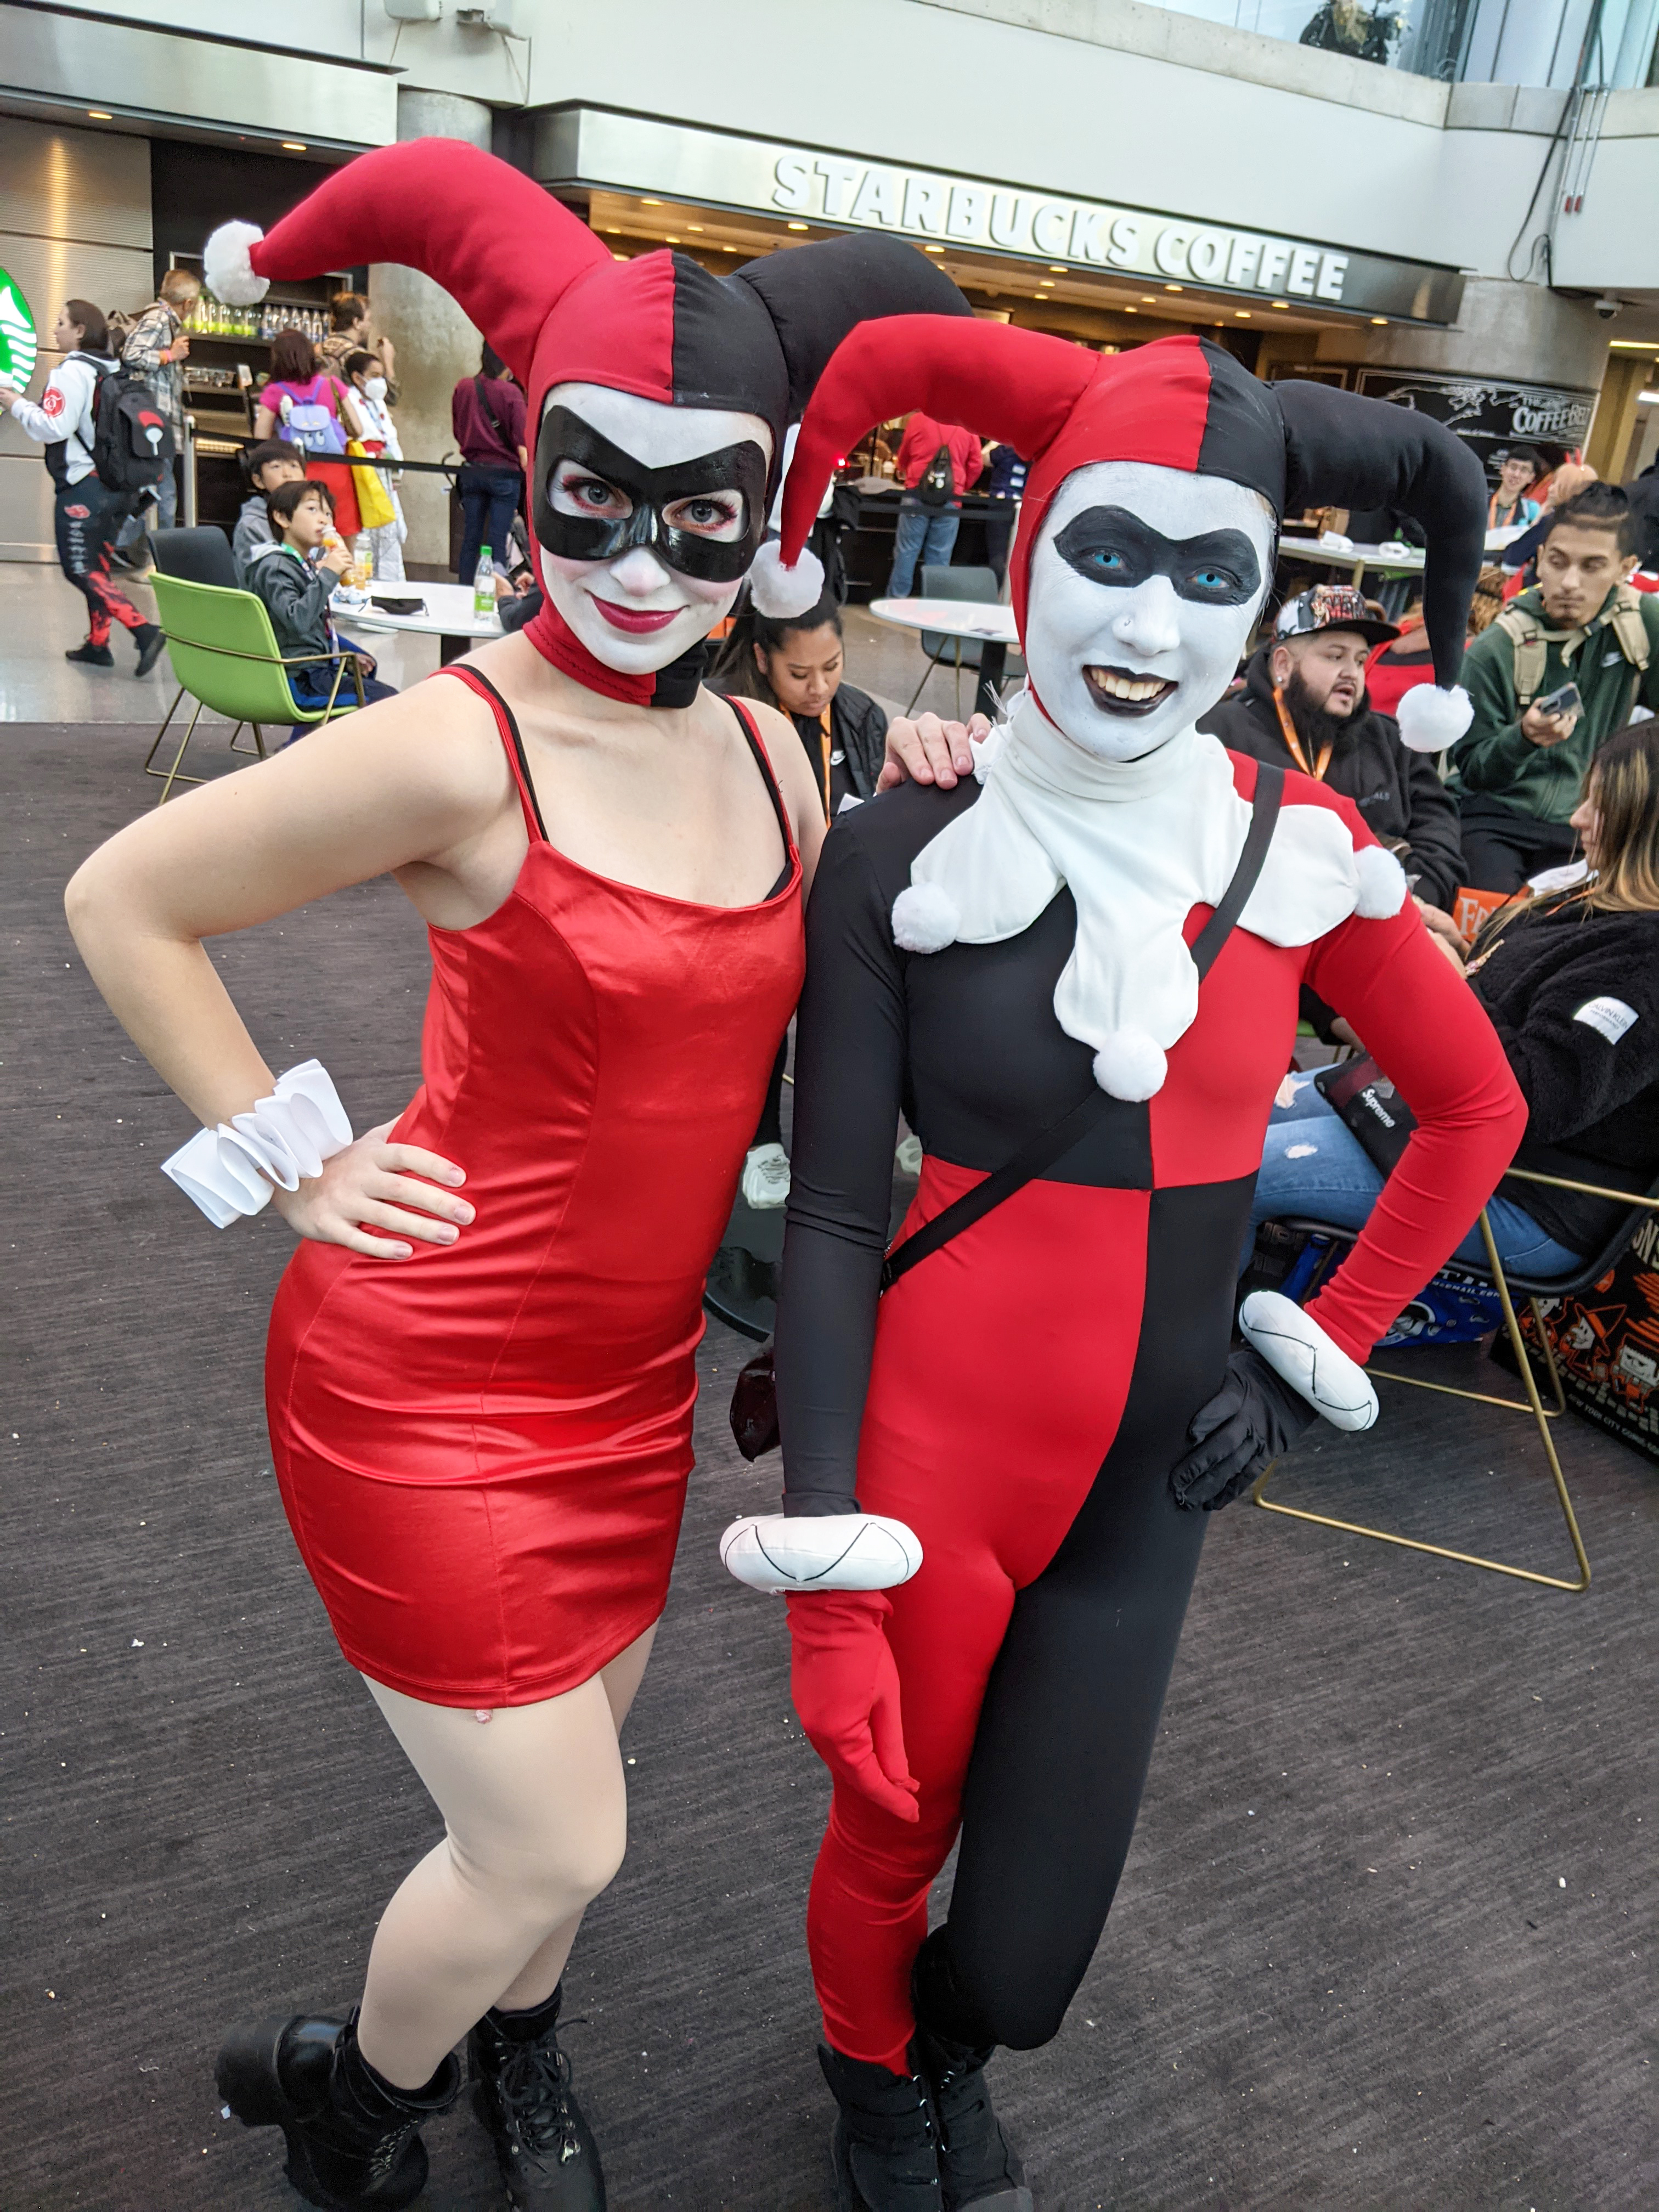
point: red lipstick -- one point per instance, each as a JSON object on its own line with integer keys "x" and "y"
{"x": 638, "y": 621}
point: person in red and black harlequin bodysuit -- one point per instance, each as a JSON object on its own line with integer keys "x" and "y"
{"x": 480, "y": 1374}
{"x": 988, "y": 1549}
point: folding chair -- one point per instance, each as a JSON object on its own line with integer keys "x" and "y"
{"x": 978, "y": 585}
{"x": 1533, "y": 1289}
{"x": 224, "y": 653}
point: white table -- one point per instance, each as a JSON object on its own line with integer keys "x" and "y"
{"x": 989, "y": 621}
{"x": 1361, "y": 557}
{"x": 447, "y": 615}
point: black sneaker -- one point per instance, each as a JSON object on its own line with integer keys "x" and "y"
{"x": 883, "y": 2146}
{"x": 92, "y": 656}
{"x": 149, "y": 640}
{"x": 548, "y": 2159}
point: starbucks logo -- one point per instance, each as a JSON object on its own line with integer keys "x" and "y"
{"x": 18, "y": 345}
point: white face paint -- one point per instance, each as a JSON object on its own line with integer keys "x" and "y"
{"x": 633, "y": 614}
{"x": 1145, "y": 584}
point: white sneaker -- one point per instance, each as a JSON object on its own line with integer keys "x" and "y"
{"x": 765, "y": 1181}
{"x": 907, "y": 1158}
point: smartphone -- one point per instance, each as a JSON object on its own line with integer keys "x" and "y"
{"x": 1566, "y": 701}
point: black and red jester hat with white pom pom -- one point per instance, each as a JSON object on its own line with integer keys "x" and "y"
{"x": 560, "y": 309}
{"x": 1180, "y": 403}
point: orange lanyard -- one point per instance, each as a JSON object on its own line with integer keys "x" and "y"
{"x": 1295, "y": 742}
{"x": 823, "y": 756}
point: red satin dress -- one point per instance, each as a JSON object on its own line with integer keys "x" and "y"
{"x": 483, "y": 1450}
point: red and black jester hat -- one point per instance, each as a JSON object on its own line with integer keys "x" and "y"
{"x": 558, "y": 306}
{"x": 1180, "y": 403}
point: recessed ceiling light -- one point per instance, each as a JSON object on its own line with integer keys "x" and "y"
{"x": 294, "y": 146}
{"x": 101, "y": 115}
{"x": 669, "y": 238}
{"x": 932, "y": 249}
{"x": 1281, "y": 303}
{"x": 1149, "y": 299}
{"x": 1132, "y": 311}
{"x": 615, "y": 256}
{"x": 693, "y": 226}
{"x": 1046, "y": 283}
{"x": 1382, "y": 320}
{"x": 1175, "y": 288}
{"x": 1058, "y": 268}
{"x": 650, "y": 203}
{"x": 613, "y": 230}
{"x": 1241, "y": 315}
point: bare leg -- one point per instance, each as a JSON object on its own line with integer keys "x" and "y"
{"x": 535, "y": 1817}
{"x": 540, "y": 1976}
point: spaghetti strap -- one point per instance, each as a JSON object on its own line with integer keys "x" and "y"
{"x": 746, "y": 724}
{"x": 505, "y": 723}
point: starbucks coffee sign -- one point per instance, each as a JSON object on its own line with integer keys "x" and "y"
{"x": 19, "y": 346}
{"x": 593, "y": 147}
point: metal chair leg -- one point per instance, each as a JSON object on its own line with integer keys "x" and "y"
{"x": 1542, "y": 1417}
{"x": 162, "y": 733}
{"x": 932, "y": 663}
{"x": 236, "y": 733}
{"x": 259, "y": 740}
{"x": 172, "y": 775}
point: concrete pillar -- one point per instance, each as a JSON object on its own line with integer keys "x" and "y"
{"x": 436, "y": 344}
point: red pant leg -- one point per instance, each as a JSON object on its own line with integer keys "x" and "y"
{"x": 868, "y": 1910}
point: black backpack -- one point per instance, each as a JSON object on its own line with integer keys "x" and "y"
{"x": 937, "y": 484}
{"x": 132, "y": 443}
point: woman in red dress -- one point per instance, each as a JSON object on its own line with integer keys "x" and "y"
{"x": 480, "y": 1371}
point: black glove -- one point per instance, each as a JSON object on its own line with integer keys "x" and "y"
{"x": 1253, "y": 1417}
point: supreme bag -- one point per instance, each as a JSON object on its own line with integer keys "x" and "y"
{"x": 1370, "y": 1107}
{"x": 937, "y": 484}
{"x": 132, "y": 445}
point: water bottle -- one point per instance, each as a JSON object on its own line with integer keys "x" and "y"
{"x": 483, "y": 583}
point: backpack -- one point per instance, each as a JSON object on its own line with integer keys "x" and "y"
{"x": 313, "y": 427}
{"x": 937, "y": 484}
{"x": 1525, "y": 634}
{"x": 132, "y": 442}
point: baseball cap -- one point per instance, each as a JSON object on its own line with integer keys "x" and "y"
{"x": 1331, "y": 606}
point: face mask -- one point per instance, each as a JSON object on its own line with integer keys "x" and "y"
{"x": 1145, "y": 584}
{"x": 648, "y": 517}
{"x": 374, "y": 388}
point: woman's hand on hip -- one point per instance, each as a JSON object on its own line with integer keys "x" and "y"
{"x": 373, "y": 1185}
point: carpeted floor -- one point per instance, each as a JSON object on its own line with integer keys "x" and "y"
{"x": 1385, "y": 1942}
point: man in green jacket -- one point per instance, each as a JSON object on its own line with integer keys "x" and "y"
{"x": 1517, "y": 770}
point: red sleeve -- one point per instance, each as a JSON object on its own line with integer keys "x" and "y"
{"x": 1427, "y": 1029}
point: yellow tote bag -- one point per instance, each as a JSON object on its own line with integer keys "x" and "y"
{"x": 373, "y": 499}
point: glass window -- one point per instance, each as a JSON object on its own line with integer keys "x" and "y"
{"x": 1529, "y": 42}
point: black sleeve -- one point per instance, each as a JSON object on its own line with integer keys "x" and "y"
{"x": 1569, "y": 1074}
{"x": 1520, "y": 550}
{"x": 298, "y": 599}
{"x": 1434, "y": 832}
{"x": 850, "y": 1039}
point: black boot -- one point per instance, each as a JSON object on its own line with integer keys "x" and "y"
{"x": 545, "y": 2147}
{"x": 92, "y": 656}
{"x": 884, "y": 2145}
{"x": 150, "y": 640}
{"x": 977, "y": 2165}
{"x": 352, "y": 2137}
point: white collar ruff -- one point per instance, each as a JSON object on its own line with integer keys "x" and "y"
{"x": 1141, "y": 843}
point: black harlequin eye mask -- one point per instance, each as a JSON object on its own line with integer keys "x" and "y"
{"x": 1108, "y": 545}
{"x": 704, "y": 518}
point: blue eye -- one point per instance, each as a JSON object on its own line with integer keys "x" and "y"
{"x": 1211, "y": 580}
{"x": 1107, "y": 560}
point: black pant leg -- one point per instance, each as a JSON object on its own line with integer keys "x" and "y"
{"x": 1071, "y": 1715}
{"x": 1502, "y": 847}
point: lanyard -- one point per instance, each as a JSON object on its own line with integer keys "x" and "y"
{"x": 823, "y": 756}
{"x": 1295, "y": 742}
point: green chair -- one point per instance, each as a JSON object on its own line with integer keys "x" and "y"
{"x": 224, "y": 653}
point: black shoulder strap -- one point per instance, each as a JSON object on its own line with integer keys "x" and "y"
{"x": 494, "y": 418}
{"x": 1054, "y": 1143}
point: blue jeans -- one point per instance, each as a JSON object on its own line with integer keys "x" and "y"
{"x": 489, "y": 499}
{"x": 925, "y": 533}
{"x": 1313, "y": 1165}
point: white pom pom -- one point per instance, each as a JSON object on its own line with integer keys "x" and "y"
{"x": 1131, "y": 1064}
{"x": 781, "y": 593}
{"x": 1430, "y": 719}
{"x": 226, "y": 266}
{"x": 925, "y": 918}
{"x": 1383, "y": 885}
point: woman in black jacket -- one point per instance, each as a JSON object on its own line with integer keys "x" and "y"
{"x": 1570, "y": 982}
{"x": 797, "y": 667}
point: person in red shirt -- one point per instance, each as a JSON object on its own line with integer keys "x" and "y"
{"x": 929, "y": 516}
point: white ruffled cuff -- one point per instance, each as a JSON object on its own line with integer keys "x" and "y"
{"x": 229, "y": 1172}
{"x": 820, "y": 1551}
{"x": 1300, "y": 1352}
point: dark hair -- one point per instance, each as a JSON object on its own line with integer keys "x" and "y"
{"x": 734, "y": 670}
{"x": 283, "y": 501}
{"x": 360, "y": 360}
{"x": 94, "y": 327}
{"x": 346, "y": 308}
{"x": 490, "y": 363}
{"x": 292, "y": 358}
{"x": 1599, "y": 507}
{"x": 268, "y": 449}
{"x": 1534, "y": 461}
